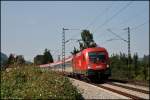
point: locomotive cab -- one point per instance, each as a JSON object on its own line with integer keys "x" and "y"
{"x": 98, "y": 64}
{"x": 97, "y": 60}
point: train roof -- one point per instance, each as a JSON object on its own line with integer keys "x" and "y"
{"x": 94, "y": 49}
{"x": 57, "y": 62}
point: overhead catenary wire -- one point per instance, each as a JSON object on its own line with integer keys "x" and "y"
{"x": 93, "y": 21}
{"x": 106, "y": 21}
{"x": 70, "y": 3}
{"x": 120, "y": 38}
{"x": 135, "y": 27}
{"x": 117, "y": 35}
{"x": 100, "y": 14}
{"x": 138, "y": 26}
{"x": 75, "y": 35}
{"x": 103, "y": 14}
{"x": 129, "y": 19}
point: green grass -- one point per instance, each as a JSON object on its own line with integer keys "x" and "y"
{"x": 34, "y": 83}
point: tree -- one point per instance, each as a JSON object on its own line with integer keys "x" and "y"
{"x": 47, "y": 57}
{"x": 43, "y": 59}
{"x": 81, "y": 46}
{"x": 39, "y": 59}
{"x": 135, "y": 60}
{"x": 87, "y": 39}
{"x": 74, "y": 51}
{"x": 11, "y": 60}
{"x": 4, "y": 60}
{"x": 145, "y": 62}
{"x": 20, "y": 60}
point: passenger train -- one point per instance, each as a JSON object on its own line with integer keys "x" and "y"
{"x": 91, "y": 62}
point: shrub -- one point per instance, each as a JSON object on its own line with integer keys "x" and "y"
{"x": 33, "y": 83}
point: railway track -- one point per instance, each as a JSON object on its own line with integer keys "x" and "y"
{"x": 120, "y": 92}
{"x": 130, "y": 92}
{"x": 125, "y": 91}
{"x": 131, "y": 88}
{"x": 132, "y": 82}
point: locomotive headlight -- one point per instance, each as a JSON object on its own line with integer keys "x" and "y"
{"x": 107, "y": 66}
{"x": 89, "y": 66}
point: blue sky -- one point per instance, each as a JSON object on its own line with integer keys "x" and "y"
{"x": 28, "y": 27}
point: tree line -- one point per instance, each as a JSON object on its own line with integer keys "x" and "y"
{"x": 19, "y": 60}
{"x": 44, "y": 59}
{"x": 15, "y": 60}
{"x": 138, "y": 68}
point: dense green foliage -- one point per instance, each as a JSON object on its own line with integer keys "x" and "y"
{"x": 138, "y": 69}
{"x": 87, "y": 41}
{"x": 75, "y": 51}
{"x": 4, "y": 60}
{"x": 43, "y": 59}
{"x": 12, "y": 60}
{"x": 39, "y": 59}
{"x": 20, "y": 60}
{"x": 33, "y": 83}
{"x": 47, "y": 56}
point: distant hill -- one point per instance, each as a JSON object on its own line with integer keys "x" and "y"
{"x": 4, "y": 59}
{"x": 28, "y": 62}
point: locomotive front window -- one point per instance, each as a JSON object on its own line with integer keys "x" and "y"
{"x": 96, "y": 57}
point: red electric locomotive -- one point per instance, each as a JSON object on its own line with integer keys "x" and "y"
{"x": 92, "y": 62}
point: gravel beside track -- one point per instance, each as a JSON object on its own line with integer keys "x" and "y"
{"x": 89, "y": 91}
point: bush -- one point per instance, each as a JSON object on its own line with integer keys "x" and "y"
{"x": 33, "y": 83}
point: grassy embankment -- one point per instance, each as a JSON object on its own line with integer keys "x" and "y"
{"x": 34, "y": 83}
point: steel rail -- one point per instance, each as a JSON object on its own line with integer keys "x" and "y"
{"x": 121, "y": 93}
{"x": 131, "y": 88}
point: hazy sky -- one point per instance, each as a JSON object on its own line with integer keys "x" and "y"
{"x": 28, "y": 27}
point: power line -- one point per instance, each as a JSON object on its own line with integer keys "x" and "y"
{"x": 134, "y": 28}
{"x": 138, "y": 26}
{"x": 106, "y": 21}
{"x": 131, "y": 18}
{"x": 74, "y": 36}
{"x": 100, "y": 14}
{"x": 72, "y": 4}
{"x": 107, "y": 9}
{"x": 117, "y": 35}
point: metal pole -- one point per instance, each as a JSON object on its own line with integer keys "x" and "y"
{"x": 63, "y": 49}
{"x": 127, "y": 41}
{"x": 129, "y": 54}
{"x": 58, "y": 58}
